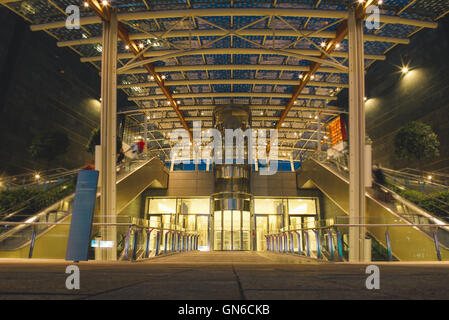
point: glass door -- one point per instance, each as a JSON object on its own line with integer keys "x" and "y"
{"x": 261, "y": 231}
{"x": 232, "y": 230}
{"x": 236, "y": 233}
{"x": 217, "y": 230}
{"x": 227, "y": 230}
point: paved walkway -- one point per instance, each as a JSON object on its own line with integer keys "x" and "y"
{"x": 221, "y": 275}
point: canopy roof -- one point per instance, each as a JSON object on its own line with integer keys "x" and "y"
{"x": 245, "y": 52}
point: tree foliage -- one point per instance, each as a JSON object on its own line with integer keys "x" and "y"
{"x": 48, "y": 144}
{"x": 416, "y": 141}
{"x": 95, "y": 140}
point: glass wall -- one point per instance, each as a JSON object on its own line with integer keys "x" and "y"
{"x": 187, "y": 214}
{"x": 231, "y": 229}
{"x": 273, "y": 215}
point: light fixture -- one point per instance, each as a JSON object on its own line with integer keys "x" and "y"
{"x": 148, "y": 117}
{"x": 127, "y": 47}
{"x": 337, "y": 45}
{"x": 105, "y": 3}
{"x": 323, "y": 44}
{"x": 312, "y": 77}
{"x": 86, "y": 4}
{"x": 37, "y": 176}
{"x": 178, "y": 102}
{"x": 380, "y": 2}
{"x": 141, "y": 45}
{"x": 429, "y": 177}
{"x": 151, "y": 78}
{"x": 168, "y": 102}
{"x": 365, "y": 98}
{"x": 405, "y": 70}
{"x": 361, "y": 1}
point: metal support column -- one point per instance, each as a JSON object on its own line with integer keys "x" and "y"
{"x": 108, "y": 134}
{"x": 356, "y": 136}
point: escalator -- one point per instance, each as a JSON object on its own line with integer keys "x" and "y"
{"x": 51, "y": 237}
{"x": 383, "y": 207}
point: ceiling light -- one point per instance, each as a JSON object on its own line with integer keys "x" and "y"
{"x": 127, "y": 47}
{"x": 105, "y": 3}
{"x": 301, "y": 76}
{"x": 323, "y": 44}
{"x": 151, "y": 78}
{"x": 141, "y": 45}
{"x": 380, "y": 2}
{"x": 405, "y": 70}
{"x": 163, "y": 77}
{"x": 337, "y": 45}
{"x": 86, "y": 4}
{"x": 312, "y": 77}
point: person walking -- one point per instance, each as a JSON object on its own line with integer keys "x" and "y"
{"x": 141, "y": 145}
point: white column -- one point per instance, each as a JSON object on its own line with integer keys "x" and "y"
{"x": 108, "y": 134}
{"x": 356, "y": 137}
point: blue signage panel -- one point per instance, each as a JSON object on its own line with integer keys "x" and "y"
{"x": 82, "y": 215}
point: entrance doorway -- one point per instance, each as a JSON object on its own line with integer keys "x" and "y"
{"x": 231, "y": 230}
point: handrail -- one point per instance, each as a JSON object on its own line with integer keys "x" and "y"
{"x": 320, "y": 248}
{"x": 133, "y": 230}
{"x": 23, "y": 224}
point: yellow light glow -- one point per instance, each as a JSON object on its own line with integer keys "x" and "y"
{"x": 405, "y": 70}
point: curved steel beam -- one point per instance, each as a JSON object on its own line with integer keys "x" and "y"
{"x": 211, "y": 67}
{"x": 220, "y": 33}
{"x": 233, "y": 81}
{"x": 230, "y": 94}
{"x": 289, "y": 12}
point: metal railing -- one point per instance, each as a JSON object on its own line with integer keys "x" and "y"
{"x": 18, "y": 236}
{"x": 389, "y": 198}
{"x": 330, "y": 242}
{"x": 136, "y": 239}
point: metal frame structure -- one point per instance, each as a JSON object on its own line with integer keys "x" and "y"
{"x": 289, "y": 60}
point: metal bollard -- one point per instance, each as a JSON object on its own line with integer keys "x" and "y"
{"x": 330, "y": 244}
{"x": 158, "y": 240}
{"x": 318, "y": 245}
{"x": 166, "y": 242}
{"x": 299, "y": 242}
{"x": 128, "y": 235}
{"x": 306, "y": 238}
{"x": 147, "y": 245}
{"x": 292, "y": 247}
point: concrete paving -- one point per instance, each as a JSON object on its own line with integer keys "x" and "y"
{"x": 221, "y": 275}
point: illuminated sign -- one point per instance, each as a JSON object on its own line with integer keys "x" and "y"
{"x": 336, "y": 130}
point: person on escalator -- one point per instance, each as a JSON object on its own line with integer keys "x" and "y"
{"x": 141, "y": 144}
{"x": 120, "y": 157}
{"x": 378, "y": 175}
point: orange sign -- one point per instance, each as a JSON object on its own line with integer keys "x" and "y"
{"x": 336, "y": 131}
